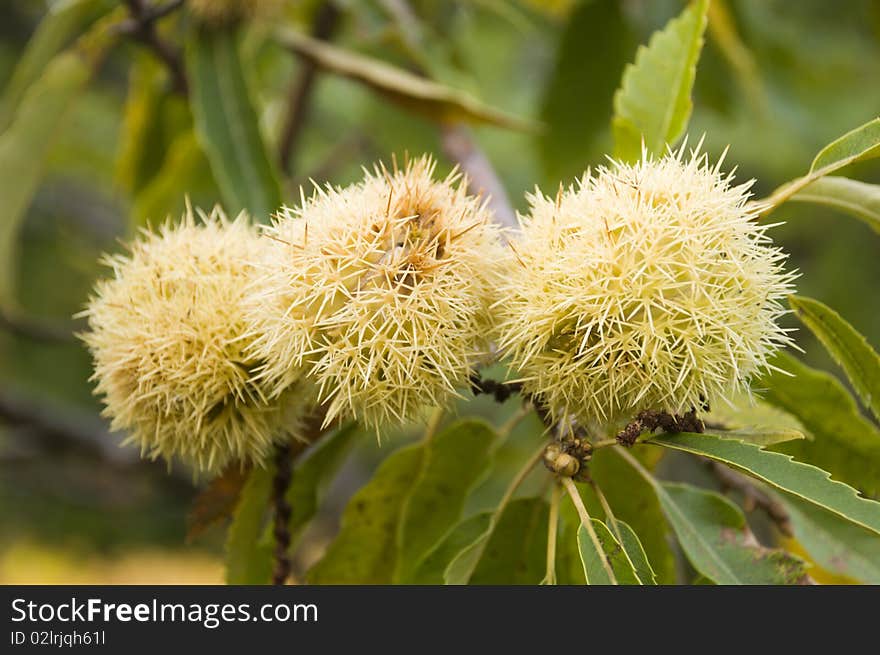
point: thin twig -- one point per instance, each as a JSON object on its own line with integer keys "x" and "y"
{"x": 459, "y": 145}
{"x": 282, "y": 511}
{"x": 298, "y": 101}
{"x": 37, "y": 330}
{"x": 510, "y": 424}
{"x": 141, "y": 27}
{"x": 637, "y": 465}
{"x": 604, "y": 443}
{"x": 552, "y": 530}
{"x": 588, "y": 525}
{"x": 752, "y": 496}
{"x": 518, "y": 479}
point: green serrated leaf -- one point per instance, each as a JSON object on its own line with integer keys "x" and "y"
{"x": 63, "y": 21}
{"x": 248, "y": 559}
{"x": 430, "y": 569}
{"x": 365, "y": 550}
{"x": 836, "y": 545}
{"x": 24, "y": 147}
{"x": 860, "y": 199}
{"x": 431, "y": 99}
{"x": 782, "y": 472}
{"x": 848, "y": 348}
{"x": 844, "y": 442}
{"x": 227, "y": 124}
{"x": 634, "y": 502}
{"x": 515, "y": 552}
{"x": 636, "y": 553}
{"x": 759, "y": 436}
{"x": 857, "y": 145}
{"x": 592, "y": 560}
{"x": 654, "y": 100}
{"x": 712, "y": 532}
{"x": 454, "y": 462}
{"x": 747, "y": 412}
{"x": 313, "y": 474}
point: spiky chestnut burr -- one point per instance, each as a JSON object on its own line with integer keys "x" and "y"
{"x": 644, "y": 286}
{"x": 167, "y": 336}
{"x": 382, "y": 289}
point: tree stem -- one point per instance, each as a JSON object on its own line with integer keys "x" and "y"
{"x": 298, "y": 101}
{"x": 552, "y": 530}
{"x": 142, "y": 28}
{"x": 281, "y": 519}
{"x": 460, "y": 146}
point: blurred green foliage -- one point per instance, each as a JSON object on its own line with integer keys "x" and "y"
{"x": 777, "y": 81}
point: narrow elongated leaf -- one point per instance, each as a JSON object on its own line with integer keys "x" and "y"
{"x": 63, "y": 21}
{"x": 844, "y": 442}
{"x": 227, "y": 124}
{"x": 24, "y": 147}
{"x": 248, "y": 559}
{"x": 365, "y": 550}
{"x": 636, "y": 553}
{"x": 462, "y": 567}
{"x": 759, "y": 436}
{"x": 860, "y": 199}
{"x": 712, "y": 532}
{"x": 517, "y": 547}
{"x": 313, "y": 474}
{"x": 848, "y": 348}
{"x": 418, "y": 94}
{"x": 857, "y": 145}
{"x": 634, "y": 502}
{"x": 430, "y": 569}
{"x": 781, "y": 471}
{"x": 836, "y": 545}
{"x": 654, "y": 100}
{"x": 454, "y": 461}
{"x": 592, "y": 559}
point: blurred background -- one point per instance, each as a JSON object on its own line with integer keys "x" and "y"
{"x": 777, "y": 80}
